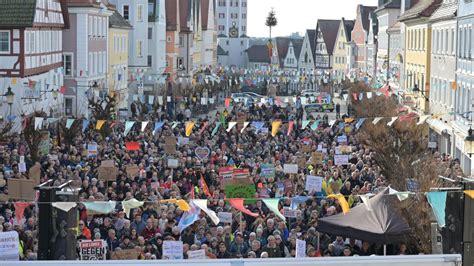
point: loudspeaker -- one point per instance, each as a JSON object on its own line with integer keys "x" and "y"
{"x": 468, "y": 232}
{"x": 65, "y": 228}
{"x": 452, "y": 233}
{"x": 45, "y": 242}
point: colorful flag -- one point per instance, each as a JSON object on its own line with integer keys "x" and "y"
{"x": 204, "y": 187}
{"x": 128, "y": 127}
{"x": 437, "y": 201}
{"x": 202, "y": 204}
{"x": 104, "y": 207}
{"x": 272, "y": 205}
{"x": 189, "y": 128}
{"x": 132, "y": 145}
{"x": 239, "y": 205}
{"x": 85, "y": 124}
{"x": 275, "y": 126}
{"x": 128, "y": 205}
{"x": 189, "y": 217}
{"x": 158, "y": 125}
{"x": 69, "y": 123}
{"x": 99, "y": 124}
{"x": 214, "y": 131}
{"x": 144, "y": 124}
{"x": 305, "y": 124}
{"x": 231, "y": 125}
{"x": 244, "y": 127}
{"x": 342, "y": 201}
{"x": 290, "y": 127}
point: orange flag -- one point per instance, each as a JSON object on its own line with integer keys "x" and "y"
{"x": 290, "y": 127}
{"x": 205, "y": 188}
{"x": 470, "y": 193}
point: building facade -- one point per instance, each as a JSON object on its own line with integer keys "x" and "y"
{"x": 85, "y": 46}
{"x": 387, "y": 13}
{"x": 418, "y": 52}
{"x": 232, "y": 30}
{"x": 258, "y": 57}
{"x": 443, "y": 74}
{"x": 340, "y": 51}
{"x": 326, "y": 34}
{"x": 371, "y": 61}
{"x": 31, "y": 63}
{"x": 172, "y": 37}
{"x": 306, "y": 57}
{"x": 156, "y": 58}
{"x": 288, "y": 50}
{"x": 209, "y": 34}
{"x": 464, "y": 95}
{"x": 117, "y": 75}
{"x": 359, "y": 37}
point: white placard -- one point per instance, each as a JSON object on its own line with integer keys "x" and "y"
{"x": 338, "y": 150}
{"x": 300, "y": 248}
{"x": 290, "y": 168}
{"x": 168, "y": 99}
{"x": 22, "y": 167}
{"x": 197, "y": 254}
{"x": 173, "y": 163}
{"x": 172, "y": 250}
{"x": 211, "y": 100}
{"x": 287, "y": 212}
{"x": 183, "y": 141}
{"x": 341, "y": 159}
{"x": 160, "y": 100}
{"x": 203, "y": 101}
{"x": 342, "y": 139}
{"x": 313, "y": 183}
{"x": 93, "y": 249}
{"x": 432, "y": 144}
{"x": 9, "y": 246}
{"x": 225, "y": 217}
{"x": 22, "y": 159}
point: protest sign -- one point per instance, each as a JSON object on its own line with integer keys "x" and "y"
{"x": 132, "y": 170}
{"x": 240, "y": 173}
{"x": 301, "y": 162}
{"x": 172, "y": 250}
{"x": 342, "y": 139}
{"x": 197, "y": 254}
{"x": 280, "y": 189}
{"x": 183, "y": 141}
{"x": 341, "y": 159}
{"x": 345, "y": 149}
{"x": 317, "y": 158}
{"x": 202, "y": 152}
{"x": 107, "y": 171}
{"x": 287, "y": 212}
{"x": 9, "y": 246}
{"x": 267, "y": 170}
{"x": 170, "y": 145}
{"x": 92, "y": 250}
{"x": 290, "y": 168}
{"x": 288, "y": 186}
{"x": 240, "y": 191}
{"x": 125, "y": 254}
{"x": 173, "y": 163}
{"x": 44, "y": 144}
{"x": 22, "y": 167}
{"x": 35, "y": 173}
{"x": 305, "y": 148}
{"x": 23, "y": 189}
{"x": 92, "y": 149}
{"x": 313, "y": 183}
{"x": 225, "y": 174}
{"x": 225, "y": 217}
{"x": 300, "y": 248}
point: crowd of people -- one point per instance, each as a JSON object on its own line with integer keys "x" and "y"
{"x": 265, "y": 236}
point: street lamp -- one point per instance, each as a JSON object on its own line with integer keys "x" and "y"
{"x": 469, "y": 142}
{"x": 10, "y": 97}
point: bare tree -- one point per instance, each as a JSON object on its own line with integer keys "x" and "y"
{"x": 33, "y": 136}
{"x": 103, "y": 109}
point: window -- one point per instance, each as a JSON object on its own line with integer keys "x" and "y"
{"x": 453, "y": 48}
{"x": 150, "y": 33}
{"x": 68, "y": 106}
{"x": 167, "y": 63}
{"x": 151, "y": 9}
{"x": 221, "y": 2}
{"x": 139, "y": 48}
{"x": 180, "y": 62}
{"x": 446, "y": 42}
{"x": 168, "y": 39}
{"x": 244, "y": 28}
{"x": 4, "y": 42}
{"x": 221, "y": 15}
{"x": 221, "y": 27}
{"x": 67, "y": 61}
{"x": 139, "y": 12}
{"x": 149, "y": 60}
{"x": 181, "y": 40}
{"x": 126, "y": 12}
{"x": 244, "y": 4}
{"x": 244, "y": 15}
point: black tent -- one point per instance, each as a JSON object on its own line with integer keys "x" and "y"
{"x": 382, "y": 224}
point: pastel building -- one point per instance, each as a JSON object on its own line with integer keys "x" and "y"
{"x": 85, "y": 46}
{"x": 31, "y": 63}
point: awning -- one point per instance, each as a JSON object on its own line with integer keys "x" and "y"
{"x": 439, "y": 126}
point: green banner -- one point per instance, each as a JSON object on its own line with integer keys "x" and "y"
{"x": 241, "y": 191}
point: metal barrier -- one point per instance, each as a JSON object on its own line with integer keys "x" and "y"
{"x": 415, "y": 260}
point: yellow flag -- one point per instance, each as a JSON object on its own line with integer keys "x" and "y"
{"x": 342, "y": 201}
{"x": 189, "y": 128}
{"x": 182, "y": 204}
{"x": 349, "y": 120}
{"x": 100, "y": 124}
{"x": 470, "y": 193}
{"x": 275, "y": 126}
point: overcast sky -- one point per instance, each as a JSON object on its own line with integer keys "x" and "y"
{"x": 298, "y": 15}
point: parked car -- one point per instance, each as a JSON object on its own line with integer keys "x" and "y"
{"x": 254, "y": 96}
{"x": 242, "y": 98}
{"x": 319, "y": 107}
{"x": 309, "y": 93}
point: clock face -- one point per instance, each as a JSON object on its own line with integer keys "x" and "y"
{"x": 233, "y": 32}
